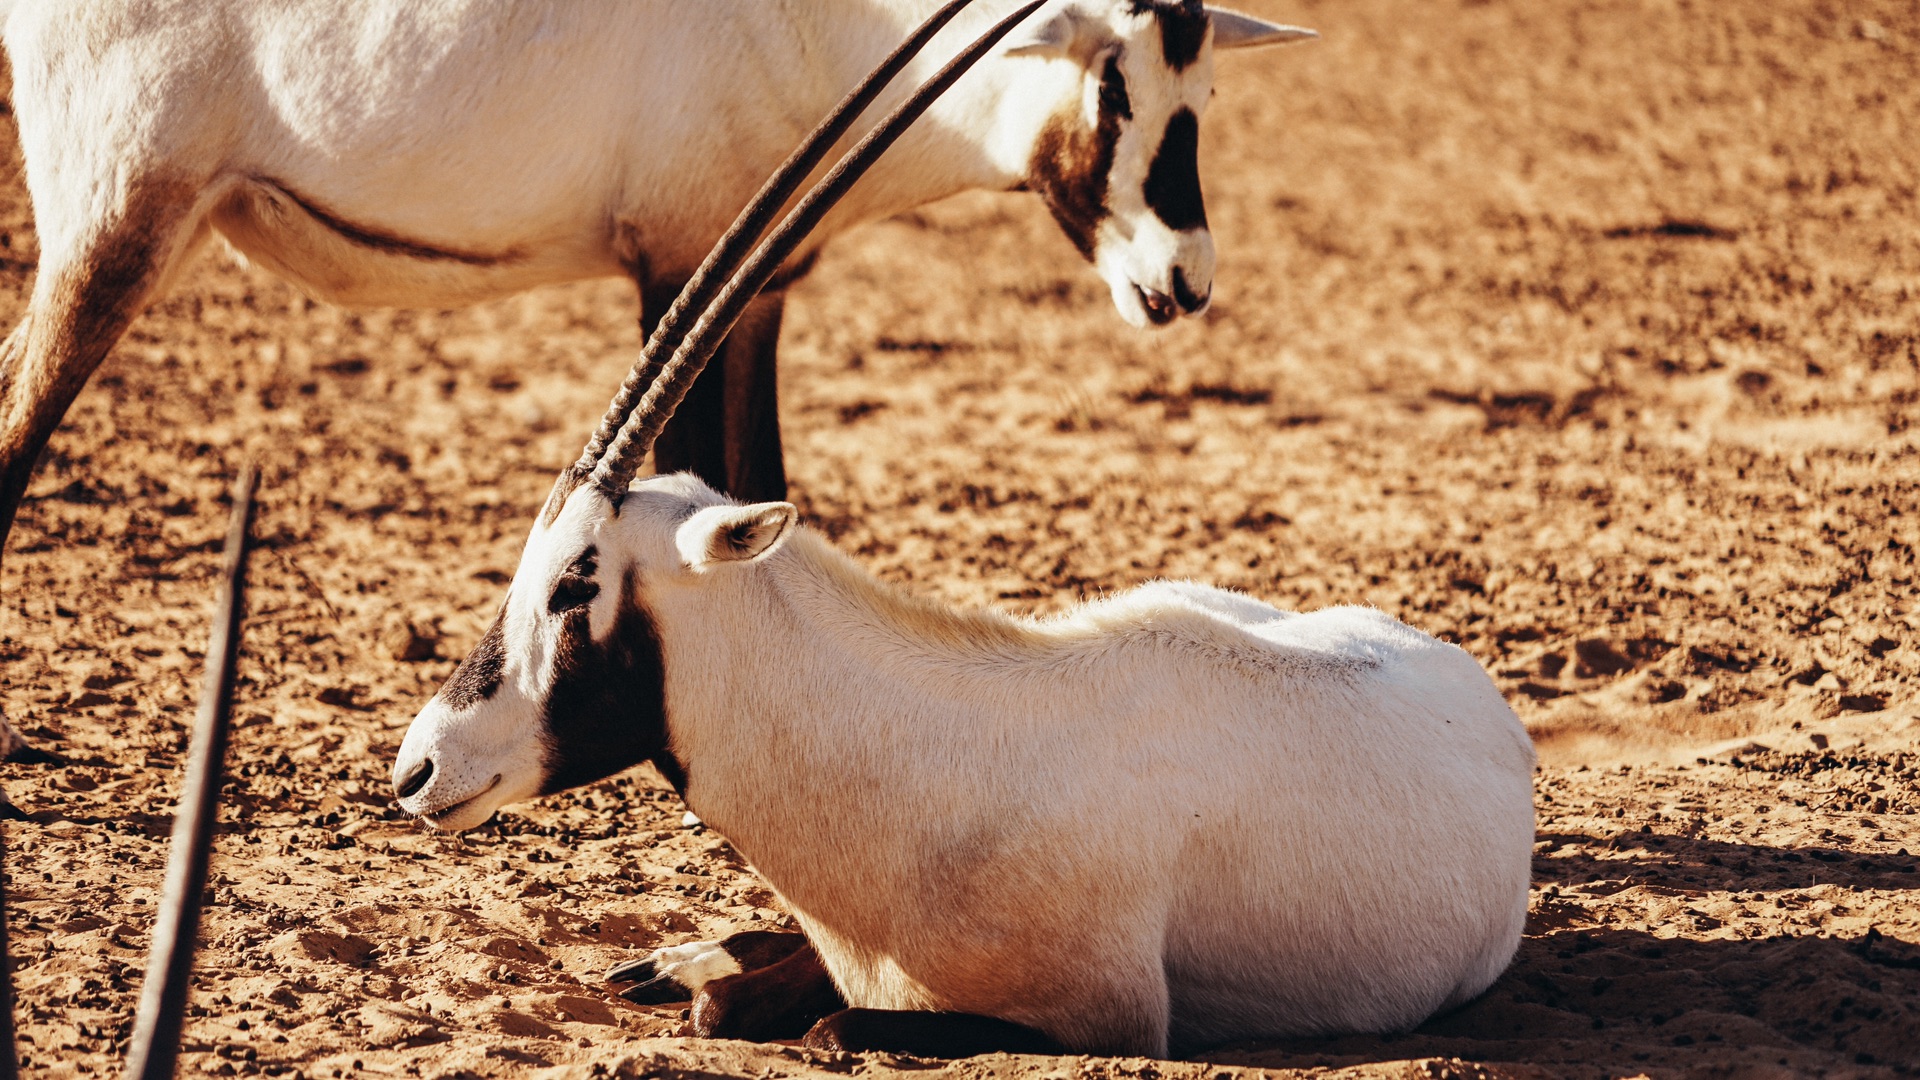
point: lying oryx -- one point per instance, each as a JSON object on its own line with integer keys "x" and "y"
{"x": 1171, "y": 818}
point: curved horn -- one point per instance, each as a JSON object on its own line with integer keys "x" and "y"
{"x": 734, "y": 245}
{"x": 621, "y": 460}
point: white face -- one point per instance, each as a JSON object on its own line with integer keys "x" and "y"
{"x": 1118, "y": 163}
{"x": 571, "y": 644}
{"x": 568, "y": 685}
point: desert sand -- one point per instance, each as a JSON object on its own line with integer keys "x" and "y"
{"x": 1583, "y": 333}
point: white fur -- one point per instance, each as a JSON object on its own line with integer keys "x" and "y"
{"x": 568, "y": 139}
{"x": 694, "y": 964}
{"x": 1175, "y": 816}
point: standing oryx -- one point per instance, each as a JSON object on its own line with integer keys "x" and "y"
{"x": 428, "y": 154}
{"x": 1172, "y": 818}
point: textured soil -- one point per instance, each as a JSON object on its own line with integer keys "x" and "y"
{"x": 1581, "y": 332}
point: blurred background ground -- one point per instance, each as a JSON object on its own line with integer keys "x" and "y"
{"x": 1582, "y": 333}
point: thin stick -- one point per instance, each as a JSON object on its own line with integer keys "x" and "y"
{"x": 9, "y": 1060}
{"x": 163, "y": 997}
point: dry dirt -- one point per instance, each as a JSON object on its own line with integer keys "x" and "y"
{"x": 1580, "y": 332}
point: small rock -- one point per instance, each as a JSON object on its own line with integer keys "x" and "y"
{"x": 1597, "y": 657}
{"x": 410, "y": 642}
{"x": 341, "y": 697}
{"x": 690, "y": 820}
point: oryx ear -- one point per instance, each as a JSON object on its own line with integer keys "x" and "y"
{"x": 1232, "y": 30}
{"x": 721, "y": 534}
{"x": 1062, "y": 35}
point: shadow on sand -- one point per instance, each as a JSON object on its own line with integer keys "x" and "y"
{"x": 1584, "y": 1000}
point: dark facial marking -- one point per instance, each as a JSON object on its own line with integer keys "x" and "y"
{"x": 1113, "y": 90}
{"x": 607, "y": 709}
{"x": 478, "y": 676}
{"x": 1183, "y": 29}
{"x": 576, "y": 587}
{"x": 1071, "y": 165}
{"x": 1173, "y": 182}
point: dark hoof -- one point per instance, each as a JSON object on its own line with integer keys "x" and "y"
{"x": 33, "y": 755}
{"x": 632, "y": 971}
{"x": 10, "y": 812}
{"x": 659, "y": 990}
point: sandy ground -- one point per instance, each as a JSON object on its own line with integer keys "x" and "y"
{"x": 1581, "y": 332}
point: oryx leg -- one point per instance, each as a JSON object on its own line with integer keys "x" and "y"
{"x": 781, "y": 1000}
{"x": 926, "y": 1034}
{"x": 727, "y": 431}
{"x": 93, "y": 278}
{"x": 678, "y": 972}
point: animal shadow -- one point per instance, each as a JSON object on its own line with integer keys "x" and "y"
{"x": 1582, "y": 999}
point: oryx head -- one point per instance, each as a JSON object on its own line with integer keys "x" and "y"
{"x": 568, "y": 685}
{"x": 1116, "y": 161}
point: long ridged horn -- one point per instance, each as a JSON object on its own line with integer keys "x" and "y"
{"x": 617, "y": 466}
{"x": 735, "y": 244}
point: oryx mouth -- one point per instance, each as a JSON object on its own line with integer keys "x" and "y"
{"x": 435, "y": 817}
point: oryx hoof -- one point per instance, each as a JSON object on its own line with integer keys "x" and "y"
{"x": 640, "y": 970}
{"x": 659, "y": 990}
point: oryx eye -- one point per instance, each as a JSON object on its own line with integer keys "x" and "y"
{"x": 1113, "y": 91}
{"x": 572, "y": 592}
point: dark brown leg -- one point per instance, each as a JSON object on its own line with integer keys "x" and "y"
{"x": 927, "y": 1034}
{"x": 779, "y": 1001}
{"x": 727, "y": 431}
{"x": 83, "y": 300}
{"x": 756, "y": 471}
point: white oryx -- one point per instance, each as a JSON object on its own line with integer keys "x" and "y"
{"x": 1168, "y": 819}
{"x": 1175, "y": 816}
{"x": 428, "y": 154}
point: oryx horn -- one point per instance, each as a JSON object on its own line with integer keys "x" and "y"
{"x": 734, "y": 244}
{"x": 615, "y": 458}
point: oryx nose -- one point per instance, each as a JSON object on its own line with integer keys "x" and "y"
{"x": 1183, "y": 293}
{"x": 411, "y": 783}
